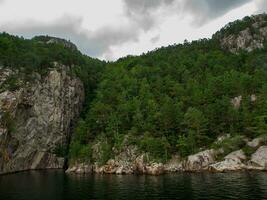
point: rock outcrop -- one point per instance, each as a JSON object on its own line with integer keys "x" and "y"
{"x": 55, "y": 40}
{"x": 255, "y": 142}
{"x": 231, "y": 162}
{"x": 203, "y": 161}
{"x": 200, "y": 161}
{"x": 141, "y": 165}
{"x": 253, "y": 36}
{"x": 259, "y": 158}
{"x": 36, "y": 118}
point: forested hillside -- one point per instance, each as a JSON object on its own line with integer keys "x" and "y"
{"x": 173, "y": 100}
{"x": 177, "y": 99}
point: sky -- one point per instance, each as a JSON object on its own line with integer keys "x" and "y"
{"x": 110, "y": 29}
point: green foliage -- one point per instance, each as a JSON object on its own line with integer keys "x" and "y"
{"x": 231, "y": 144}
{"x": 61, "y": 150}
{"x": 261, "y": 125}
{"x": 8, "y": 122}
{"x": 105, "y": 152}
{"x": 181, "y": 93}
{"x": 80, "y": 152}
{"x": 118, "y": 141}
{"x": 248, "y": 150}
{"x": 177, "y": 99}
{"x": 196, "y": 125}
{"x": 36, "y": 55}
{"x": 80, "y": 133}
{"x": 185, "y": 146}
{"x": 240, "y": 25}
{"x": 158, "y": 148}
{"x": 11, "y": 84}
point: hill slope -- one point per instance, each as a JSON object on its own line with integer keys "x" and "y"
{"x": 142, "y": 114}
{"x": 179, "y": 99}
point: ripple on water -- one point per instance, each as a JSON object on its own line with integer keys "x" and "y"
{"x": 55, "y": 185}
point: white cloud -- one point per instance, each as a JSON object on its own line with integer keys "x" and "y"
{"x": 262, "y": 5}
{"x": 110, "y": 29}
{"x": 94, "y": 43}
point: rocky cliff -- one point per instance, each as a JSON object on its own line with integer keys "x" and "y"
{"x": 55, "y": 40}
{"x": 248, "y": 34}
{"x": 36, "y": 118}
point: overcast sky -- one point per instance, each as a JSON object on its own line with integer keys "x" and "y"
{"x": 110, "y": 29}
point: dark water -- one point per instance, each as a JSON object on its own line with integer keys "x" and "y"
{"x": 51, "y": 185}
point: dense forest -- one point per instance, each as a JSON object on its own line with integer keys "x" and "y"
{"x": 177, "y": 100}
{"x": 173, "y": 100}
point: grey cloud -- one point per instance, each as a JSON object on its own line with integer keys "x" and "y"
{"x": 155, "y": 39}
{"x": 201, "y": 10}
{"x": 206, "y": 10}
{"x": 142, "y": 11}
{"x": 93, "y": 43}
{"x": 262, "y": 5}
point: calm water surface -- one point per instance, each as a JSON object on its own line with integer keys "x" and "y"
{"x": 53, "y": 185}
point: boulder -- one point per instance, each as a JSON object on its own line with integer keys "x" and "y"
{"x": 174, "y": 165}
{"x": 231, "y": 162}
{"x": 140, "y": 165}
{"x": 154, "y": 169}
{"x": 236, "y": 155}
{"x": 260, "y": 157}
{"x": 80, "y": 169}
{"x": 199, "y": 161}
{"x": 255, "y": 142}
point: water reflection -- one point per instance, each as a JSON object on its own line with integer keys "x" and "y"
{"x": 50, "y": 185}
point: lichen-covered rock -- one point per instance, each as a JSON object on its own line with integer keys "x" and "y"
{"x": 174, "y": 165}
{"x": 200, "y": 161}
{"x": 155, "y": 169}
{"x": 80, "y": 169}
{"x": 260, "y": 157}
{"x": 236, "y": 155}
{"x": 55, "y": 40}
{"x": 231, "y": 162}
{"x": 36, "y": 120}
{"x": 255, "y": 142}
{"x": 248, "y": 39}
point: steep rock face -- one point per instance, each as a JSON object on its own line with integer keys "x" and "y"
{"x": 36, "y": 119}
{"x": 252, "y": 37}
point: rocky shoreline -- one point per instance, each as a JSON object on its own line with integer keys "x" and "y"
{"x": 205, "y": 161}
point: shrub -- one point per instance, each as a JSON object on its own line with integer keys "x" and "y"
{"x": 61, "y": 150}
{"x": 105, "y": 152}
{"x": 184, "y": 146}
{"x": 8, "y": 122}
{"x": 249, "y": 150}
{"x": 118, "y": 141}
{"x": 230, "y": 144}
{"x": 80, "y": 152}
{"x": 158, "y": 148}
{"x": 86, "y": 153}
